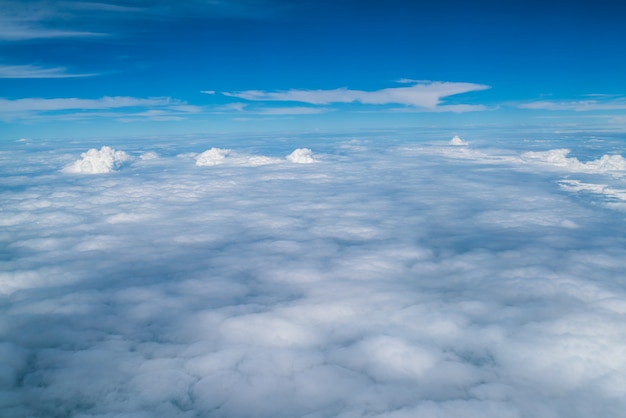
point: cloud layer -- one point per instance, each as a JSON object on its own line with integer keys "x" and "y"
{"x": 415, "y": 279}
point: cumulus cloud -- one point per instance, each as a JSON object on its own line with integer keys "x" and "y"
{"x": 96, "y": 161}
{"x": 416, "y": 279}
{"x": 559, "y": 158}
{"x": 301, "y": 156}
{"x": 214, "y": 156}
{"x": 456, "y": 140}
{"x": 218, "y": 156}
{"x": 427, "y": 95}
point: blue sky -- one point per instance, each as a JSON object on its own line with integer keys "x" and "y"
{"x": 76, "y": 68}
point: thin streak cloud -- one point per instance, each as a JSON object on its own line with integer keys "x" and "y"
{"x": 427, "y": 95}
{"x": 577, "y": 105}
{"x": 33, "y": 71}
{"x": 34, "y": 107}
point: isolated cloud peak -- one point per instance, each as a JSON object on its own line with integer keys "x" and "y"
{"x": 426, "y": 95}
{"x": 96, "y": 161}
{"x": 301, "y": 156}
{"x": 456, "y": 140}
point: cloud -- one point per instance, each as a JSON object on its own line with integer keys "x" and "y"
{"x": 425, "y": 95}
{"x": 301, "y": 156}
{"x": 577, "y": 105}
{"x": 45, "y": 20}
{"x": 96, "y": 161}
{"x": 395, "y": 279}
{"x": 78, "y": 108}
{"x": 611, "y": 193}
{"x": 219, "y": 156}
{"x": 559, "y": 158}
{"x": 31, "y": 71}
{"x": 37, "y": 104}
{"x": 456, "y": 140}
{"x": 297, "y": 110}
{"x": 214, "y": 156}
{"x": 10, "y": 31}
{"x": 26, "y": 20}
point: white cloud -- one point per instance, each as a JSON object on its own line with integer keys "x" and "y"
{"x": 214, "y": 156}
{"x": 559, "y": 158}
{"x": 419, "y": 279}
{"x": 301, "y": 156}
{"x": 427, "y": 95}
{"x": 17, "y": 31}
{"x": 31, "y": 71}
{"x": 96, "y": 161}
{"x": 456, "y": 140}
{"x": 38, "y": 104}
{"x": 219, "y": 156}
{"x": 296, "y": 110}
{"x": 156, "y": 108}
{"x": 577, "y": 105}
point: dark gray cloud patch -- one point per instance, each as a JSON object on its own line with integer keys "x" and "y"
{"x": 414, "y": 280}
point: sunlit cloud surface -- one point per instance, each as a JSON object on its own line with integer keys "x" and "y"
{"x": 367, "y": 275}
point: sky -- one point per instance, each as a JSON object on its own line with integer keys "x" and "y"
{"x": 270, "y": 208}
{"x": 71, "y": 69}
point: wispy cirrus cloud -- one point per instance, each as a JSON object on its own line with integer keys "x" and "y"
{"x": 26, "y": 21}
{"x": 598, "y": 102}
{"x": 423, "y": 95}
{"x": 33, "y": 71}
{"x": 155, "y": 108}
{"x": 39, "y": 19}
{"x": 298, "y": 110}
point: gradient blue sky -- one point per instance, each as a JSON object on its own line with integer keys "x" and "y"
{"x": 105, "y": 68}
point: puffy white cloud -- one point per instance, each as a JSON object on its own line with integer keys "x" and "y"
{"x": 214, "y": 156}
{"x": 419, "y": 279}
{"x": 96, "y": 161}
{"x": 559, "y": 158}
{"x": 218, "y": 156}
{"x": 301, "y": 156}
